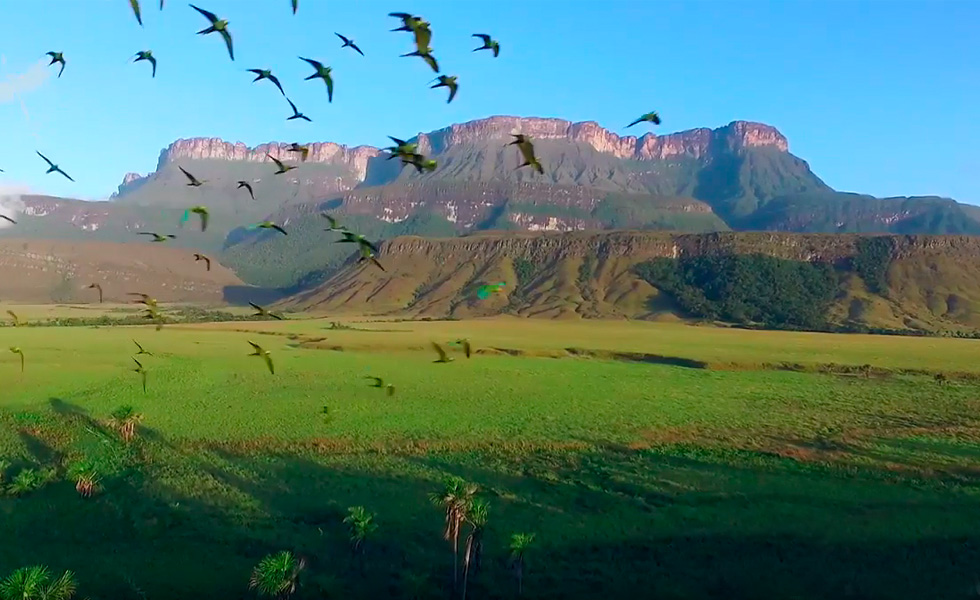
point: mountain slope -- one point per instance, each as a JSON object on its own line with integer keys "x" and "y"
{"x": 41, "y": 271}
{"x": 929, "y": 283}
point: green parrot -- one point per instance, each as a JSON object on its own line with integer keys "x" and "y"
{"x": 157, "y": 237}
{"x": 259, "y": 351}
{"x": 443, "y": 357}
{"x": 136, "y": 11}
{"x": 261, "y": 74}
{"x": 139, "y": 369}
{"x": 267, "y": 225}
{"x": 261, "y": 311}
{"x": 488, "y": 44}
{"x": 323, "y": 73}
{"x": 197, "y": 210}
{"x": 217, "y": 25}
{"x": 17, "y": 350}
{"x": 53, "y": 168}
{"x": 449, "y": 82}
{"x": 57, "y": 57}
{"x": 194, "y": 181}
{"x": 650, "y": 117}
{"x": 283, "y": 168}
{"x": 147, "y": 55}
{"x": 524, "y": 144}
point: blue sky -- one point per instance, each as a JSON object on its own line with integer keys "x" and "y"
{"x": 879, "y": 97}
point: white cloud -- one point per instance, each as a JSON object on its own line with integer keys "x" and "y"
{"x": 11, "y": 203}
{"x": 16, "y": 84}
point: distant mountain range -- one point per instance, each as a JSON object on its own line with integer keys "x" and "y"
{"x": 740, "y": 177}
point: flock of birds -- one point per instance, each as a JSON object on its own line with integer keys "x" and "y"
{"x": 407, "y": 152}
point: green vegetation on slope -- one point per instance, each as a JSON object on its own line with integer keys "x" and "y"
{"x": 748, "y": 289}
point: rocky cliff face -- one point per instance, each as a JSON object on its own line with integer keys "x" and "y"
{"x": 354, "y": 159}
{"x": 694, "y": 142}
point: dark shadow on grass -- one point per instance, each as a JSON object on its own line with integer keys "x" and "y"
{"x": 610, "y": 523}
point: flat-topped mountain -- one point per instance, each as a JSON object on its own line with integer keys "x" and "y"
{"x": 740, "y": 176}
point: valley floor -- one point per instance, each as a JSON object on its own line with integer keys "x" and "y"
{"x": 651, "y": 460}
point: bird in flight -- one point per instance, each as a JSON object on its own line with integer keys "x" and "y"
{"x": 266, "y": 356}
{"x": 401, "y": 148}
{"x": 283, "y": 168}
{"x": 443, "y": 357}
{"x": 483, "y": 292}
{"x": 207, "y": 261}
{"x": 449, "y": 82}
{"x": 420, "y": 162}
{"x": 295, "y": 6}
{"x": 197, "y": 210}
{"x": 357, "y": 238}
{"x": 379, "y": 383}
{"x": 488, "y": 44}
{"x": 157, "y": 237}
{"x": 95, "y": 286}
{"x": 524, "y": 144}
{"x": 261, "y": 311}
{"x": 57, "y": 57}
{"x": 261, "y": 74}
{"x": 367, "y": 254}
{"x": 148, "y": 56}
{"x": 334, "y": 224}
{"x": 303, "y": 150}
{"x": 144, "y": 299}
{"x": 193, "y": 181}
{"x": 323, "y": 73}
{"x": 247, "y": 186}
{"x": 53, "y": 168}
{"x": 219, "y": 25}
{"x": 267, "y": 225}
{"x": 467, "y": 348}
{"x": 423, "y": 36}
{"x": 296, "y": 113}
{"x": 650, "y": 117}
{"x": 349, "y": 43}
{"x": 139, "y": 369}
{"x": 17, "y": 350}
{"x": 141, "y": 349}
{"x": 136, "y": 11}
{"x": 6, "y": 218}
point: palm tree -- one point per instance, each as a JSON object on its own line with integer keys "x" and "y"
{"x": 26, "y": 481}
{"x": 476, "y": 516}
{"x": 85, "y": 476}
{"x": 34, "y": 583}
{"x": 277, "y": 574}
{"x": 125, "y": 419}
{"x": 455, "y": 500}
{"x": 519, "y": 543}
{"x": 361, "y": 524}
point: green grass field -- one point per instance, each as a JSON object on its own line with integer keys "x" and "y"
{"x": 651, "y": 460}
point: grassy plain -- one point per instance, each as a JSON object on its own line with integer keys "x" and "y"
{"x": 652, "y": 460}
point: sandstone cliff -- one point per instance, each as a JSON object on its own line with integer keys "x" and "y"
{"x": 693, "y": 142}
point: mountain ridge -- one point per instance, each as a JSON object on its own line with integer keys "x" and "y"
{"x": 928, "y": 283}
{"x": 739, "y": 176}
